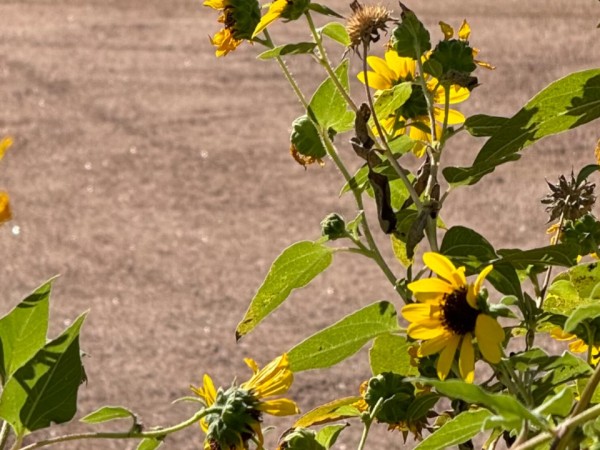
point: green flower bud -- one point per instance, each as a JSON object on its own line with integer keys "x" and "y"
{"x": 295, "y": 9}
{"x": 333, "y": 226}
{"x": 397, "y": 396}
{"x": 242, "y": 17}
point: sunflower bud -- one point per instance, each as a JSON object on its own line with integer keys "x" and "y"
{"x": 366, "y": 22}
{"x": 570, "y": 199}
{"x": 300, "y": 439}
{"x": 295, "y": 9}
{"x": 333, "y": 226}
{"x": 243, "y": 15}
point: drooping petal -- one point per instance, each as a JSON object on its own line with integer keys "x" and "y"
{"x": 435, "y": 345}
{"x": 376, "y": 81}
{"x": 476, "y": 287}
{"x": 490, "y": 337}
{"x": 5, "y": 211}
{"x": 225, "y": 42}
{"x": 426, "y": 329}
{"x": 464, "y": 32}
{"x": 446, "y": 357}
{"x": 560, "y": 335}
{"x": 275, "y": 10}
{"x": 454, "y": 117}
{"x": 215, "y": 4}
{"x": 578, "y": 346}
{"x": 252, "y": 364}
{"x": 466, "y": 359}
{"x": 279, "y": 407}
{"x": 456, "y": 94}
{"x": 273, "y": 379}
{"x": 444, "y": 268}
{"x": 447, "y": 30}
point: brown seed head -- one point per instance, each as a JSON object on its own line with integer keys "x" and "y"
{"x": 569, "y": 198}
{"x": 366, "y": 22}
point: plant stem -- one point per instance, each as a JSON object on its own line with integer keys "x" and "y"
{"x": 4, "y": 432}
{"x": 125, "y": 435}
{"x": 427, "y": 95}
{"x": 327, "y": 64}
{"x": 549, "y": 271}
{"x": 388, "y": 152}
{"x": 367, "y": 424}
{"x": 18, "y": 442}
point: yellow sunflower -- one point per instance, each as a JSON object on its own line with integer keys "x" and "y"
{"x": 392, "y": 70}
{"x": 578, "y": 345}
{"x": 239, "y": 18}
{"x": 447, "y": 317}
{"x": 241, "y": 408}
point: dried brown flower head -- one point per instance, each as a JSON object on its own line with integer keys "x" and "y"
{"x": 570, "y": 199}
{"x": 366, "y": 22}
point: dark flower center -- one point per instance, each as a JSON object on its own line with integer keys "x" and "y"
{"x": 458, "y": 316}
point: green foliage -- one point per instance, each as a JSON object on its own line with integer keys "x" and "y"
{"x": 23, "y": 331}
{"x": 456, "y": 431}
{"x": 327, "y": 436}
{"x": 390, "y": 100}
{"x": 149, "y": 444}
{"x": 44, "y": 390}
{"x": 565, "y": 104}
{"x": 410, "y": 37}
{"x": 333, "y": 411}
{"x": 343, "y": 339}
{"x": 481, "y": 125}
{"x": 328, "y": 107}
{"x": 305, "y": 138}
{"x": 389, "y": 353}
{"x": 322, "y": 9}
{"x": 337, "y": 32}
{"x": 288, "y": 49}
{"x": 108, "y": 413}
{"x": 293, "y": 269}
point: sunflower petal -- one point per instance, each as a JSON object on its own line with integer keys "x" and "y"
{"x": 435, "y": 345}
{"x": 476, "y": 287}
{"x": 490, "y": 337}
{"x": 380, "y": 66}
{"x": 420, "y": 311}
{"x": 215, "y": 4}
{"x": 376, "y": 81}
{"x": 275, "y": 10}
{"x": 464, "y": 32}
{"x": 447, "y": 30}
{"x": 5, "y": 211}
{"x": 446, "y": 358}
{"x": 454, "y": 117}
{"x": 426, "y": 329}
{"x": 402, "y": 67}
{"x": 431, "y": 285}
{"x": 279, "y": 407}
{"x": 578, "y": 346}
{"x": 444, "y": 268}
{"x": 466, "y": 359}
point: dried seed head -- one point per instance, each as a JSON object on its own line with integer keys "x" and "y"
{"x": 569, "y": 199}
{"x": 366, "y": 22}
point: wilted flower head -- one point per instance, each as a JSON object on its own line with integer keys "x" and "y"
{"x": 240, "y": 408}
{"x": 366, "y": 22}
{"x": 570, "y": 199}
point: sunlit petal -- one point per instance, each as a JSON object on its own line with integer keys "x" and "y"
{"x": 426, "y": 329}
{"x": 446, "y": 358}
{"x": 279, "y": 407}
{"x": 490, "y": 336}
{"x": 464, "y": 32}
{"x": 466, "y": 359}
{"x": 444, "y": 268}
{"x": 272, "y": 14}
{"x": 435, "y": 345}
{"x": 215, "y": 4}
{"x": 380, "y": 66}
{"x": 432, "y": 285}
{"x": 447, "y": 30}
{"x": 376, "y": 81}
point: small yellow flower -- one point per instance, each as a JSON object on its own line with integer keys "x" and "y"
{"x": 394, "y": 70}
{"x": 578, "y": 345}
{"x": 447, "y": 317}
{"x": 239, "y": 18}
{"x": 239, "y": 409}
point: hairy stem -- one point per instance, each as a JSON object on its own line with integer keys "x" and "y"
{"x": 367, "y": 424}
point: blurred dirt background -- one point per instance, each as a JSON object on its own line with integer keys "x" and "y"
{"x": 156, "y": 180}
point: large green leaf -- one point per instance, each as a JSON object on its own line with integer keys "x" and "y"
{"x": 333, "y": 411}
{"x": 344, "y": 338}
{"x": 327, "y": 436}
{"x": 328, "y": 106}
{"x": 108, "y": 413}
{"x": 23, "y": 331}
{"x": 481, "y": 125}
{"x": 553, "y": 255}
{"x": 410, "y": 37}
{"x": 565, "y": 104}
{"x": 288, "y": 49}
{"x": 337, "y": 32}
{"x": 306, "y": 139}
{"x": 294, "y": 268}
{"x": 389, "y": 100}
{"x": 389, "y": 353}
{"x": 45, "y": 389}
{"x": 583, "y": 313}
{"x": 456, "y": 431}
{"x": 577, "y": 287}
{"x": 504, "y": 405}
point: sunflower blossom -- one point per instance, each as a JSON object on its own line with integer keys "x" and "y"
{"x": 392, "y": 70}
{"x": 239, "y": 409}
{"x": 447, "y": 318}
{"x": 578, "y": 345}
{"x": 239, "y": 18}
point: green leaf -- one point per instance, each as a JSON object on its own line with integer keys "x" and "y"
{"x": 586, "y": 171}
{"x": 553, "y": 255}
{"x": 325, "y": 10}
{"x": 389, "y": 353}
{"x": 481, "y": 125}
{"x": 360, "y": 179}
{"x": 329, "y": 412}
{"x": 401, "y": 144}
{"x": 45, "y": 389}
{"x": 506, "y": 406}
{"x": 559, "y": 404}
{"x": 149, "y": 444}
{"x": 297, "y": 266}
{"x": 562, "y": 298}
{"x": 328, "y": 106}
{"x": 107, "y": 413}
{"x": 306, "y": 139}
{"x": 421, "y": 405}
{"x": 399, "y": 249}
{"x": 585, "y": 278}
{"x": 565, "y": 104}
{"x": 344, "y": 338}
{"x": 23, "y": 331}
{"x": 337, "y": 32}
{"x": 583, "y": 313}
{"x": 329, "y": 434}
{"x": 410, "y": 38}
{"x": 561, "y": 370}
{"x": 288, "y": 49}
{"x": 456, "y": 431}
{"x": 389, "y": 100}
